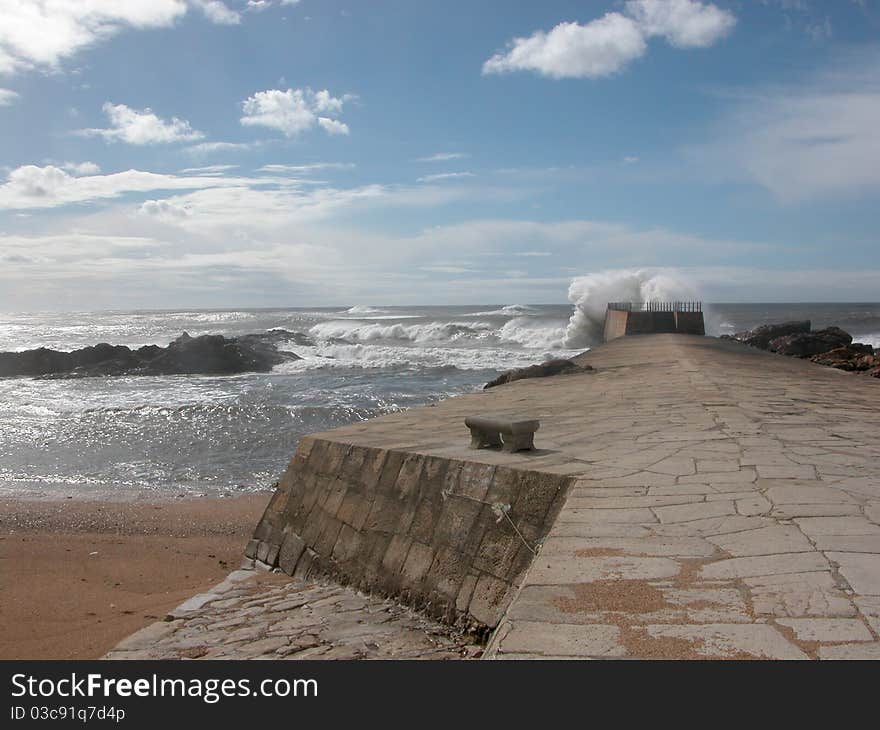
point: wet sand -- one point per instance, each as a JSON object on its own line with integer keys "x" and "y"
{"x": 79, "y": 576}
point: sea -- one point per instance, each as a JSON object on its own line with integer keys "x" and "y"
{"x": 143, "y": 438}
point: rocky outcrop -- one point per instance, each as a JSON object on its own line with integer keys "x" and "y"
{"x": 808, "y": 344}
{"x": 545, "y": 369}
{"x": 207, "y": 355}
{"x": 761, "y": 337}
{"x": 855, "y": 358}
{"x": 831, "y": 346}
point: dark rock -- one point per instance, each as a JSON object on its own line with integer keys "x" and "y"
{"x": 207, "y": 354}
{"x": 545, "y": 369}
{"x": 853, "y": 359}
{"x": 807, "y": 344}
{"x": 760, "y": 337}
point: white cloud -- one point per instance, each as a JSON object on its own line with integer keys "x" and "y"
{"x": 41, "y": 33}
{"x": 683, "y": 23}
{"x": 332, "y": 126}
{"x": 208, "y": 169}
{"x": 7, "y": 97}
{"x": 294, "y": 111}
{"x": 142, "y": 127}
{"x": 31, "y": 187}
{"x": 608, "y": 44}
{"x": 81, "y": 168}
{"x": 443, "y": 157}
{"x": 599, "y": 48}
{"x": 311, "y": 167}
{"x": 217, "y": 12}
{"x": 206, "y": 148}
{"x": 804, "y": 142}
{"x": 630, "y": 160}
{"x": 444, "y": 176}
{"x": 164, "y": 209}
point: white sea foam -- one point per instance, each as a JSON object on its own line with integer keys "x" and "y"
{"x": 872, "y": 339}
{"x": 364, "y": 309}
{"x": 533, "y": 334}
{"x": 509, "y": 310}
{"x": 590, "y": 295}
{"x": 421, "y": 334}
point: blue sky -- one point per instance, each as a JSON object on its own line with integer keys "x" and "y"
{"x": 184, "y": 153}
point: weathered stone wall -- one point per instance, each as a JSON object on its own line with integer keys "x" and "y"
{"x": 419, "y": 528}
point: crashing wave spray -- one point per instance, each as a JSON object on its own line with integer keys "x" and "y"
{"x": 590, "y": 295}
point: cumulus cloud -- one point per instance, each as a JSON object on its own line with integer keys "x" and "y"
{"x": 599, "y": 48}
{"x": 217, "y": 12}
{"x": 608, "y": 44}
{"x": 683, "y": 23}
{"x": 81, "y": 168}
{"x": 333, "y": 126}
{"x": 295, "y": 111}
{"x": 41, "y": 33}
{"x": 142, "y": 127}
{"x": 7, "y": 97}
{"x": 164, "y": 209}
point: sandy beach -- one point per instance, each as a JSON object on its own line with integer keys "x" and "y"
{"x": 79, "y": 576}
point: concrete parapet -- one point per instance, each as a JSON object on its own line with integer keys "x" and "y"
{"x": 448, "y": 536}
{"x": 620, "y": 322}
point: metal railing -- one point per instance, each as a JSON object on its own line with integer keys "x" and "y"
{"x": 656, "y": 306}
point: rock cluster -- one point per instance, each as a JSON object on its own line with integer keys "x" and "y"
{"x": 207, "y": 354}
{"x": 551, "y": 367}
{"x": 831, "y": 346}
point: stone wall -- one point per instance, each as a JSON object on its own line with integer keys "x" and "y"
{"x": 419, "y": 528}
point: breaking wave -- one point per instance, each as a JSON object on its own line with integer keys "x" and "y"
{"x": 364, "y": 309}
{"x": 590, "y": 295}
{"x": 420, "y": 334}
{"x": 509, "y": 310}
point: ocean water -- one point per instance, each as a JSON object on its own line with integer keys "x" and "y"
{"x": 156, "y": 437}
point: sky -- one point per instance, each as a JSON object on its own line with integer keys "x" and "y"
{"x": 272, "y": 153}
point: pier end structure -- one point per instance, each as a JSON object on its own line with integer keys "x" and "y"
{"x": 653, "y": 317}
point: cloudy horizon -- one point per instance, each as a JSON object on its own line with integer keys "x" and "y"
{"x": 199, "y": 153}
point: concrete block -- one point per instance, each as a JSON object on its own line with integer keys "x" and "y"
{"x": 291, "y": 549}
{"x": 448, "y": 572}
{"x": 418, "y": 561}
{"x": 463, "y": 599}
{"x": 406, "y": 486}
{"x": 489, "y": 600}
{"x": 348, "y": 545}
{"x": 373, "y": 467}
{"x": 250, "y": 550}
{"x": 395, "y": 555}
{"x": 390, "y": 471}
{"x": 326, "y": 540}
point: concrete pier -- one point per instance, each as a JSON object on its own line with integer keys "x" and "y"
{"x": 690, "y": 498}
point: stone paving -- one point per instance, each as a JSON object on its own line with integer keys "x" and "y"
{"x": 257, "y": 615}
{"x": 725, "y": 503}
